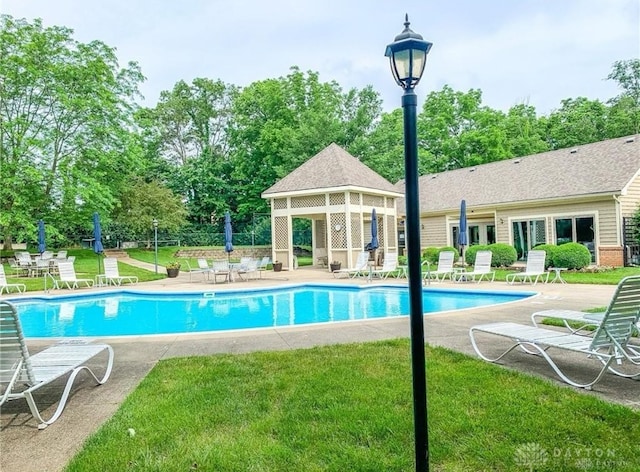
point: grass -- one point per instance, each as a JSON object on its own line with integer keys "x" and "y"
{"x": 349, "y": 408}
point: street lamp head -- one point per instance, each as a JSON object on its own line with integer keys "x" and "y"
{"x": 408, "y": 56}
{"x": 155, "y": 222}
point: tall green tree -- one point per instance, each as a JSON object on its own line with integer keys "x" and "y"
{"x": 65, "y": 113}
{"x": 188, "y": 148}
{"x": 280, "y": 123}
{"x": 577, "y": 121}
{"x": 455, "y": 130}
{"x": 624, "y": 115}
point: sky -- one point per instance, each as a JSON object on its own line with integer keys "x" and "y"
{"x": 537, "y": 52}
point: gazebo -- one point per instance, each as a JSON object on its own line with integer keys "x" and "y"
{"x": 337, "y": 193}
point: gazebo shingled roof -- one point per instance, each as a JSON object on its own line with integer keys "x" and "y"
{"x": 331, "y": 168}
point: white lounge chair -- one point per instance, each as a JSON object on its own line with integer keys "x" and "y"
{"x": 263, "y": 265}
{"x": 533, "y": 271}
{"x": 582, "y": 320}
{"x": 361, "y": 267}
{"x": 445, "y": 267}
{"x": 389, "y": 266}
{"x": 203, "y": 268}
{"x": 608, "y": 344}
{"x": 22, "y": 374}
{"x": 4, "y": 285}
{"x": 248, "y": 269}
{"x": 68, "y": 277}
{"x": 481, "y": 269}
{"x": 112, "y": 273}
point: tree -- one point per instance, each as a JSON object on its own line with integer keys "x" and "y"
{"x": 577, "y": 121}
{"x": 625, "y": 108}
{"x": 65, "y": 109}
{"x": 455, "y": 130}
{"x": 280, "y": 123}
{"x": 141, "y": 202}
{"x": 188, "y": 130}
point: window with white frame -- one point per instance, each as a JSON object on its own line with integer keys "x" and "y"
{"x": 528, "y": 234}
{"x": 577, "y": 229}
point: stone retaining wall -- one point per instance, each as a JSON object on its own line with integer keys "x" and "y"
{"x": 257, "y": 253}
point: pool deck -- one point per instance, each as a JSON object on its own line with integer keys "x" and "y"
{"x": 23, "y": 448}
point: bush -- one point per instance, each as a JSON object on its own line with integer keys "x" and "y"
{"x": 504, "y": 255}
{"x": 470, "y": 253}
{"x": 571, "y": 256}
{"x": 430, "y": 254}
{"x": 550, "y": 249}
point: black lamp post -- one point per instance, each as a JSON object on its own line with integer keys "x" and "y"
{"x": 408, "y": 55}
{"x": 155, "y": 241}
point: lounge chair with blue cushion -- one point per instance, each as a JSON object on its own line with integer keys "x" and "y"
{"x": 609, "y": 344}
{"x": 22, "y": 374}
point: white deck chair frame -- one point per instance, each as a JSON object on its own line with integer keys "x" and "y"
{"x": 4, "y": 285}
{"x": 608, "y": 344}
{"x": 67, "y": 275}
{"x": 446, "y": 260}
{"x": 22, "y": 374}
{"x": 112, "y": 273}
{"x": 533, "y": 271}
{"x": 361, "y": 267}
{"x": 389, "y": 266}
{"x": 481, "y": 269}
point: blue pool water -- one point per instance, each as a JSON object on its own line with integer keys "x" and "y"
{"x": 129, "y": 313}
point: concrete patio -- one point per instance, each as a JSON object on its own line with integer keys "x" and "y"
{"x": 24, "y": 448}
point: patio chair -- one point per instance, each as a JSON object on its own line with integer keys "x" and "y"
{"x": 22, "y": 374}
{"x": 248, "y": 269}
{"x": 4, "y": 285}
{"x": 203, "y": 268}
{"x": 444, "y": 270}
{"x": 263, "y": 265}
{"x": 112, "y": 273}
{"x": 389, "y": 266}
{"x": 533, "y": 271}
{"x": 361, "y": 267}
{"x": 577, "y": 321}
{"x": 68, "y": 277}
{"x": 221, "y": 268}
{"x": 608, "y": 344}
{"x": 481, "y": 269}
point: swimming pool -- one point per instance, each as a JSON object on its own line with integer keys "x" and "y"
{"x": 134, "y": 313}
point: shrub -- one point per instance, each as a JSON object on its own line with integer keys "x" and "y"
{"x": 470, "y": 253}
{"x": 550, "y": 249}
{"x": 430, "y": 254}
{"x": 504, "y": 255}
{"x": 571, "y": 256}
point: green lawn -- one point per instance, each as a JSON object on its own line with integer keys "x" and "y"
{"x": 349, "y": 408}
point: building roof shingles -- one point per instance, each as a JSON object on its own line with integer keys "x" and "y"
{"x": 333, "y": 167}
{"x": 591, "y": 169}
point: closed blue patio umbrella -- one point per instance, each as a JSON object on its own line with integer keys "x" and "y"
{"x": 97, "y": 236}
{"x": 228, "y": 235}
{"x": 374, "y": 244}
{"x": 42, "y": 245}
{"x": 462, "y": 234}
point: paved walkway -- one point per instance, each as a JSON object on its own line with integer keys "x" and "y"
{"x": 24, "y": 448}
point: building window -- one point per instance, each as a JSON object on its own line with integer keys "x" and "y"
{"x": 579, "y": 230}
{"x": 528, "y": 234}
